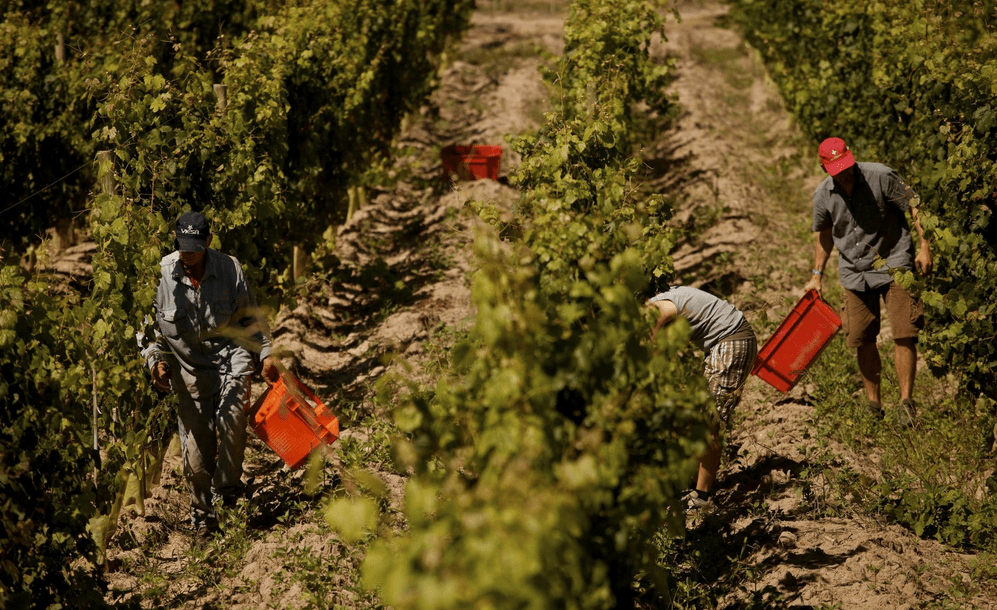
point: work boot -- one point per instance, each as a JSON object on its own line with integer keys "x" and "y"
{"x": 906, "y": 413}
{"x": 206, "y": 531}
{"x": 698, "y": 502}
{"x": 875, "y": 409}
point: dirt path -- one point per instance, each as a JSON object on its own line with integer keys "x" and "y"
{"x": 745, "y": 166}
{"x": 398, "y": 285}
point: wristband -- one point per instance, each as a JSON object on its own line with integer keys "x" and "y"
{"x": 815, "y": 272}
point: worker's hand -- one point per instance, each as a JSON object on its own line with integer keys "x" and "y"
{"x": 269, "y": 370}
{"x": 814, "y": 284}
{"x": 923, "y": 259}
{"x": 161, "y": 376}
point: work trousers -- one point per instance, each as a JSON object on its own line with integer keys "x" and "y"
{"x": 213, "y": 435}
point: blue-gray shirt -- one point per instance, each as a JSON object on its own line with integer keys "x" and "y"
{"x": 870, "y": 224}
{"x": 711, "y": 319}
{"x": 213, "y": 331}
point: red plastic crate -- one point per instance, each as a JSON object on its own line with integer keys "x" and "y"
{"x": 471, "y": 162}
{"x": 797, "y": 342}
{"x": 290, "y": 425}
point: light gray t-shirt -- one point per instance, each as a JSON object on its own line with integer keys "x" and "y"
{"x": 711, "y": 319}
{"x": 211, "y": 330}
{"x": 869, "y": 225}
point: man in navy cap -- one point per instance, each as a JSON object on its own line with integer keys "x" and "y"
{"x": 861, "y": 208}
{"x": 210, "y": 339}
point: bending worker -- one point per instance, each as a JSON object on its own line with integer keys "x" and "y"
{"x": 720, "y": 330}
{"x": 210, "y": 339}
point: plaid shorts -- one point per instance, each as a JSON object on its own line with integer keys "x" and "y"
{"x": 728, "y": 365}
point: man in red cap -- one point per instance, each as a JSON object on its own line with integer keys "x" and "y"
{"x": 861, "y": 209}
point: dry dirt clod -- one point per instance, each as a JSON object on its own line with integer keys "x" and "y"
{"x": 787, "y": 540}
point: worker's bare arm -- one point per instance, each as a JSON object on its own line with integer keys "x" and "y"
{"x": 666, "y": 313}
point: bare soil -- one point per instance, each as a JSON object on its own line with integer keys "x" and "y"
{"x": 401, "y": 288}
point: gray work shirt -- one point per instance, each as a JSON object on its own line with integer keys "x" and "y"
{"x": 212, "y": 331}
{"x": 869, "y": 225}
{"x": 711, "y": 319}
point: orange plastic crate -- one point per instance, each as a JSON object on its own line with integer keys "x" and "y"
{"x": 471, "y": 162}
{"x": 290, "y": 425}
{"x": 794, "y": 346}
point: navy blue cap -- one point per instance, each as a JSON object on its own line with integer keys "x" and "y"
{"x": 192, "y": 232}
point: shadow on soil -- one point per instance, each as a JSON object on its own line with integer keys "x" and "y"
{"x": 717, "y": 545}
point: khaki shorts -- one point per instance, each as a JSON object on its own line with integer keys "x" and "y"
{"x": 862, "y": 319}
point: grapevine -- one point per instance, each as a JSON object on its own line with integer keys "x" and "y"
{"x": 314, "y": 94}
{"x": 545, "y": 466}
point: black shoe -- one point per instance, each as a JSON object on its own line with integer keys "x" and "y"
{"x": 875, "y": 409}
{"x": 906, "y": 413}
{"x": 206, "y": 531}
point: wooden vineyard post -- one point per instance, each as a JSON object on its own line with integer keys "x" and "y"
{"x": 60, "y": 48}
{"x": 221, "y": 93}
{"x": 592, "y": 99}
{"x": 299, "y": 266}
{"x": 105, "y": 176}
{"x": 96, "y": 410}
{"x": 105, "y": 171}
{"x": 358, "y": 199}
{"x": 353, "y": 203}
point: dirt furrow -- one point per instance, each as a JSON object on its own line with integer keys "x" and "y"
{"x": 736, "y": 142}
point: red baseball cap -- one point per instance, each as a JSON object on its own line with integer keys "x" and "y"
{"x": 835, "y": 156}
